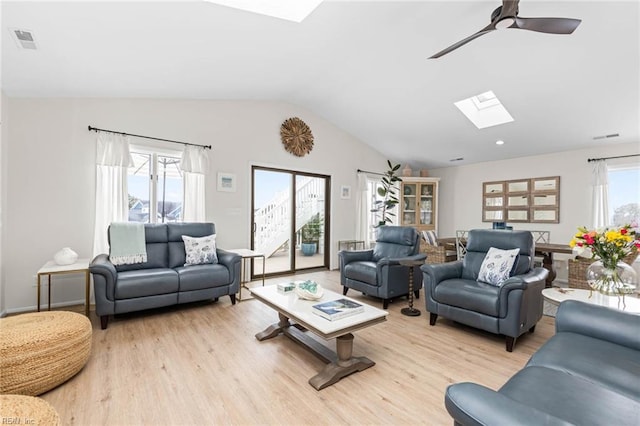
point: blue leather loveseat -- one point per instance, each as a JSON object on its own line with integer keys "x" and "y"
{"x": 163, "y": 280}
{"x": 588, "y": 373}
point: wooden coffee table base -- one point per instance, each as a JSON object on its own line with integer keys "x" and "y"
{"x": 339, "y": 364}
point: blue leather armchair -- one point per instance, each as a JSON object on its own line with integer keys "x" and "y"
{"x": 452, "y": 289}
{"x": 378, "y": 272}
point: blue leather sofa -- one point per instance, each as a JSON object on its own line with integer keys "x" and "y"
{"x": 163, "y": 280}
{"x": 588, "y": 373}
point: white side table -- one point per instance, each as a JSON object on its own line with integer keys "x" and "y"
{"x": 52, "y": 268}
{"x": 247, "y": 254}
{"x": 628, "y": 303}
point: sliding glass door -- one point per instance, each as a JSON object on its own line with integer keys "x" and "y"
{"x": 289, "y": 220}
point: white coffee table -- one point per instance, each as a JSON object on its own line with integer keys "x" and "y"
{"x": 628, "y": 303}
{"x": 290, "y": 307}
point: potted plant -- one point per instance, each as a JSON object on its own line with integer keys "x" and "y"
{"x": 388, "y": 193}
{"x": 311, "y": 235}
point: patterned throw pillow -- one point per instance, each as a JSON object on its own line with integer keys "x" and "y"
{"x": 497, "y": 265}
{"x": 200, "y": 250}
{"x": 430, "y": 237}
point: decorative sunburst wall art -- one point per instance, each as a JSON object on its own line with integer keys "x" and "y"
{"x": 296, "y": 137}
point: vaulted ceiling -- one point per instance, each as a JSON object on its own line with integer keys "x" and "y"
{"x": 361, "y": 65}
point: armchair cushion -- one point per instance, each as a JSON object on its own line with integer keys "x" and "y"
{"x": 364, "y": 271}
{"x": 395, "y": 242}
{"x": 497, "y": 266}
{"x": 478, "y": 296}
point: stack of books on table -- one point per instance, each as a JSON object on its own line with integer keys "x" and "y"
{"x": 337, "y": 309}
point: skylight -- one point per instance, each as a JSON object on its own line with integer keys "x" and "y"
{"x": 484, "y": 110}
{"x": 291, "y": 10}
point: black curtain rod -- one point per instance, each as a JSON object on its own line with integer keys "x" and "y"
{"x": 371, "y": 173}
{"x": 95, "y": 129}
{"x": 611, "y": 158}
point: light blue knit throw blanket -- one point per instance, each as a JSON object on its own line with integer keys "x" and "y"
{"x": 127, "y": 243}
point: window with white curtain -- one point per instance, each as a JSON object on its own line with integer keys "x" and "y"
{"x": 624, "y": 194}
{"x": 155, "y": 185}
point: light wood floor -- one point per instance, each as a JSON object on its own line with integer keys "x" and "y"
{"x": 201, "y": 364}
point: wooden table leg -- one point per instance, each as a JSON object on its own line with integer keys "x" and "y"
{"x": 274, "y": 329}
{"x": 345, "y": 365}
{"x": 49, "y": 282}
{"x": 39, "y": 277}
{"x": 547, "y": 263}
{"x": 86, "y": 293}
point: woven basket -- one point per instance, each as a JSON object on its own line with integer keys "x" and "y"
{"x": 578, "y": 270}
{"x": 41, "y": 350}
{"x": 27, "y": 410}
{"x": 438, "y": 254}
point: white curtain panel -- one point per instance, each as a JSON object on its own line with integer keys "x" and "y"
{"x": 193, "y": 208}
{"x": 195, "y": 165}
{"x": 112, "y": 202}
{"x": 194, "y": 160}
{"x": 362, "y": 209}
{"x": 600, "y": 198}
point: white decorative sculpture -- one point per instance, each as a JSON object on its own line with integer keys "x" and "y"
{"x": 309, "y": 290}
{"x": 66, "y": 256}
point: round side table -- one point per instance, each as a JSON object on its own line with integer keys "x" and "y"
{"x": 411, "y": 311}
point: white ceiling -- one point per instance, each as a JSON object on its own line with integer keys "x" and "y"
{"x": 361, "y": 65}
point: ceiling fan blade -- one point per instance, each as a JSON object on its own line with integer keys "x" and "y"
{"x": 547, "y": 25}
{"x": 485, "y": 30}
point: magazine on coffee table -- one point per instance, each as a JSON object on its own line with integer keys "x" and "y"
{"x": 336, "y": 309}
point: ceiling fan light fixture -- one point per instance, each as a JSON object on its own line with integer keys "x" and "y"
{"x": 505, "y": 23}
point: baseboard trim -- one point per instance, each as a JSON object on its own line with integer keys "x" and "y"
{"x": 34, "y": 308}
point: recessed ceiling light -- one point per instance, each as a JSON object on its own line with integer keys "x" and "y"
{"x": 291, "y": 10}
{"x": 484, "y": 110}
{"x": 500, "y": 142}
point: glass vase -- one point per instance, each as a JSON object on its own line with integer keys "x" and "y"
{"x": 611, "y": 281}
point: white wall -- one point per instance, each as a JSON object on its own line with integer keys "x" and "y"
{"x": 460, "y": 193}
{"x": 51, "y": 177}
{"x": 461, "y": 188}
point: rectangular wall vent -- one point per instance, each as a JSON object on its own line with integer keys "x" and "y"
{"x": 24, "y": 38}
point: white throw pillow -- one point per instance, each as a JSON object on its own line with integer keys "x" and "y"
{"x": 200, "y": 250}
{"x": 497, "y": 265}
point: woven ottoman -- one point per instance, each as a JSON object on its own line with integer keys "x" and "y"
{"x": 41, "y": 350}
{"x": 27, "y": 410}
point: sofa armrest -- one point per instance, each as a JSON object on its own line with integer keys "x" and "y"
{"x": 599, "y": 322}
{"x": 471, "y": 404}
{"x": 442, "y": 271}
{"x": 227, "y": 258}
{"x": 102, "y": 266}
{"x": 531, "y": 278}
{"x": 389, "y": 261}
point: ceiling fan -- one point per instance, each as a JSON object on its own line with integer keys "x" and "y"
{"x": 506, "y": 16}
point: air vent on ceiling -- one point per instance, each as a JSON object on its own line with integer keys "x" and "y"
{"x": 612, "y": 135}
{"x": 457, "y": 159}
{"x": 24, "y": 38}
